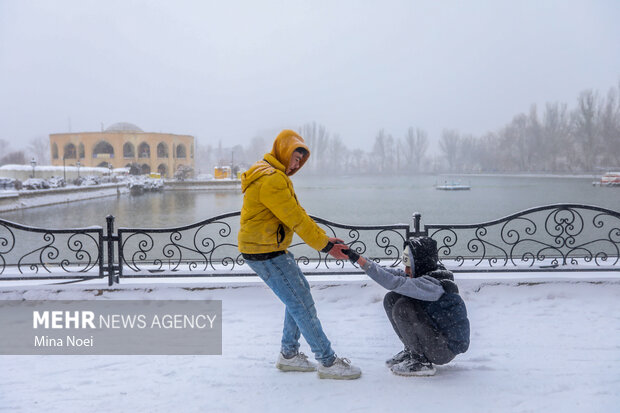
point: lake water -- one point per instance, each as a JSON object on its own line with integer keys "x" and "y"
{"x": 345, "y": 199}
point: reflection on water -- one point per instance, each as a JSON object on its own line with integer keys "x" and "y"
{"x": 349, "y": 200}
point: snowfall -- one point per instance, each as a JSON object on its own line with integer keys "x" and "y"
{"x": 539, "y": 343}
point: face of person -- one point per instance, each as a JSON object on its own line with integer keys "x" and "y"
{"x": 408, "y": 271}
{"x": 294, "y": 163}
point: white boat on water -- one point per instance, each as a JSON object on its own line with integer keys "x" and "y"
{"x": 453, "y": 187}
{"x": 609, "y": 179}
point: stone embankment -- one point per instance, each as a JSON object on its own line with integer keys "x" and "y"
{"x": 12, "y": 200}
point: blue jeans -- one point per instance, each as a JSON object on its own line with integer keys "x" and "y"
{"x": 284, "y": 277}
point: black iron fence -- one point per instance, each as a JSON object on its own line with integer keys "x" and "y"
{"x": 567, "y": 237}
{"x": 209, "y": 247}
{"x": 29, "y": 252}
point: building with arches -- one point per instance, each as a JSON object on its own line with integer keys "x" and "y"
{"x": 121, "y": 145}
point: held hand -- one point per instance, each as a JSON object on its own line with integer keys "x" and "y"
{"x": 336, "y": 241}
{"x": 353, "y": 256}
{"x": 337, "y": 253}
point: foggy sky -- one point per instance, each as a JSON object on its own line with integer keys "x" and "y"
{"x": 237, "y": 69}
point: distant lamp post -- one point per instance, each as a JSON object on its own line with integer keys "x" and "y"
{"x": 110, "y": 168}
{"x": 78, "y": 166}
{"x": 33, "y": 162}
{"x": 64, "y": 171}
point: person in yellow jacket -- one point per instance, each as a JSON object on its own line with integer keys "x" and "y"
{"x": 270, "y": 215}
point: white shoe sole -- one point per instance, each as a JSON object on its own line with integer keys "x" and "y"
{"x": 285, "y": 367}
{"x": 323, "y": 375}
{"x": 425, "y": 373}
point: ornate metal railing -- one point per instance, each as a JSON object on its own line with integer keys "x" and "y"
{"x": 209, "y": 248}
{"x": 566, "y": 237}
{"x": 32, "y": 253}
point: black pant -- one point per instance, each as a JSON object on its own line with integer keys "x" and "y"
{"x": 415, "y": 329}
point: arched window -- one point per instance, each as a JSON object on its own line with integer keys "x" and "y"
{"x": 103, "y": 150}
{"x": 144, "y": 150}
{"x": 81, "y": 151}
{"x": 145, "y": 169}
{"x": 163, "y": 170}
{"x": 54, "y": 151}
{"x": 69, "y": 151}
{"x": 181, "y": 151}
{"x": 129, "y": 150}
{"x": 162, "y": 150}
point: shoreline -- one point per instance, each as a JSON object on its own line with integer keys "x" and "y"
{"x": 25, "y": 199}
{"x": 527, "y": 175}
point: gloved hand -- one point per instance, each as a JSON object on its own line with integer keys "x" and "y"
{"x": 353, "y": 256}
{"x": 334, "y": 248}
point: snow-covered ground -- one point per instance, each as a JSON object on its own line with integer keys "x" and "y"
{"x": 537, "y": 345}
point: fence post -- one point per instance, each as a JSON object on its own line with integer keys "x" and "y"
{"x": 416, "y": 223}
{"x": 110, "y": 238}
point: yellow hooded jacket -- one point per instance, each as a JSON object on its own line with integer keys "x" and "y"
{"x": 271, "y": 212}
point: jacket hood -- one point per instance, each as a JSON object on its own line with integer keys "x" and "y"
{"x": 284, "y": 146}
{"x": 422, "y": 255}
{"x": 278, "y": 159}
{"x": 257, "y": 170}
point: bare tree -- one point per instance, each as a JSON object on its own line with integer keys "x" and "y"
{"x": 466, "y": 160}
{"x": 39, "y": 148}
{"x": 449, "y": 145}
{"x": 337, "y": 156}
{"x": 610, "y": 127}
{"x": 391, "y": 154}
{"x": 535, "y": 157}
{"x": 358, "y": 161}
{"x": 560, "y": 140}
{"x": 13, "y": 158}
{"x": 380, "y": 151}
{"x": 317, "y": 139}
{"x": 489, "y": 153}
{"x": 585, "y": 128}
{"x": 415, "y": 147}
{"x": 205, "y": 158}
{"x": 514, "y": 137}
{"x": 555, "y": 133}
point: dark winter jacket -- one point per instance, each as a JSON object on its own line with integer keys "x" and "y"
{"x": 438, "y": 295}
{"x": 434, "y": 289}
{"x": 449, "y": 315}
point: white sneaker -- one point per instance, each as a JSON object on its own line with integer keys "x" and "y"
{"x": 298, "y": 363}
{"x": 340, "y": 370}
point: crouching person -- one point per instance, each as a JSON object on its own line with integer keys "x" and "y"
{"x": 423, "y": 306}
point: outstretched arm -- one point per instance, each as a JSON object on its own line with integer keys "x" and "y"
{"x": 422, "y": 288}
